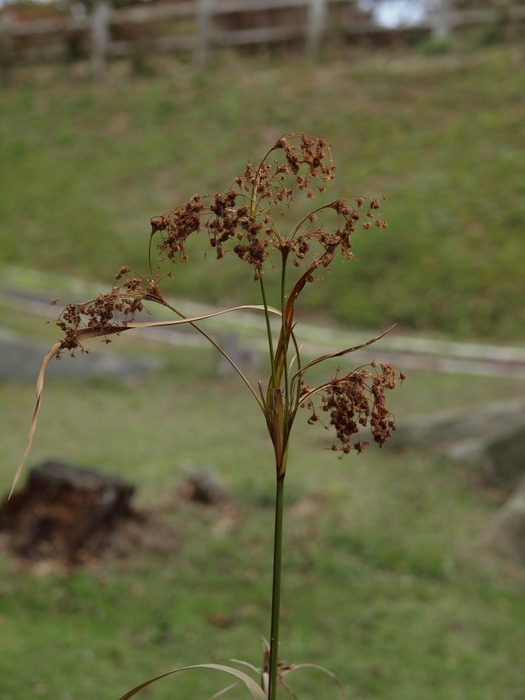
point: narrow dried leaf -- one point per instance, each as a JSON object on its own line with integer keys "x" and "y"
{"x": 102, "y": 331}
{"x": 275, "y": 420}
{"x": 287, "y": 326}
{"x": 316, "y": 667}
{"x": 247, "y": 664}
{"x": 39, "y": 390}
{"x": 256, "y": 691}
{"x": 331, "y": 355}
{"x": 203, "y": 317}
{"x": 222, "y": 692}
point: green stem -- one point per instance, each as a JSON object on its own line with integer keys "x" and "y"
{"x": 276, "y": 589}
{"x": 268, "y": 330}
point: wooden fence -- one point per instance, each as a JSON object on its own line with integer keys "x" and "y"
{"x": 197, "y": 26}
{"x": 443, "y": 20}
{"x": 179, "y": 25}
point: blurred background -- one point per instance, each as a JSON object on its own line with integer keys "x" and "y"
{"x": 112, "y": 112}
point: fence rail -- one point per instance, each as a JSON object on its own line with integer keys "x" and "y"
{"x": 108, "y": 32}
{"x": 199, "y": 25}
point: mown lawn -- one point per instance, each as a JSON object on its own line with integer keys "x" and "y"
{"x": 386, "y": 580}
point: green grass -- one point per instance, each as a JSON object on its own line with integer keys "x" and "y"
{"x": 86, "y": 165}
{"x": 385, "y": 581}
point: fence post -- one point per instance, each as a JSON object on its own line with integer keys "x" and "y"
{"x": 441, "y": 20}
{"x": 204, "y": 21}
{"x": 100, "y": 37}
{"x": 317, "y": 12}
{"x": 509, "y": 30}
{"x": 6, "y": 50}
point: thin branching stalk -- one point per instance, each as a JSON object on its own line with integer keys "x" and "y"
{"x": 216, "y": 345}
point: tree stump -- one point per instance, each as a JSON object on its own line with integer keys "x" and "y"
{"x": 65, "y": 513}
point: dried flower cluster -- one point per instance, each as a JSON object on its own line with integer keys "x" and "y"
{"x": 357, "y": 400}
{"x": 245, "y": 216}
{"x": 176, "y": 227}
{"x": 108, "y": 312}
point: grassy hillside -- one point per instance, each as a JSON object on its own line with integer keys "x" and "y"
{"x": 84, "y": 166}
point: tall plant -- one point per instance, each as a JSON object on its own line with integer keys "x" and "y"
{"x": 250, "y": 220}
